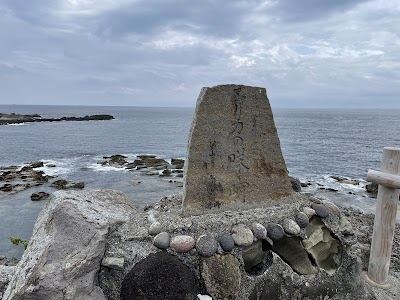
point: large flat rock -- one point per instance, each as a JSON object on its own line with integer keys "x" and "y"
{"x": 234, "y": 155}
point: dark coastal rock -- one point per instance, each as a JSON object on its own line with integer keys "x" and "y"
{"x": 60, "y": 184}
{"x": 346, "y": 180}
{"x": 372, "y": 188}
{"x": 206, "y": 245}
{"x": 6, "y": 188}
{"x": 221, "y": 276}
{"x": 320, "y": 210}
{"x": 226, "y": 242}
{"x": 152, "y": 162}
{"x": 39, "y": 196}
{"x": 63, "y": 184}
{"x": 159, "y": 276}
{"x": 275, "y": 231}
{"x": 36, "y": 164}
{"x": 177, "y": 163}
{"x": 17, "y": 119}
{"x": 166, "y": 172}
{"x": 296, "y": 184}
{"x": 78, "y": 185}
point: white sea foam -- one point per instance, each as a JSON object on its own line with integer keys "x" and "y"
{"x": 62, "y": 166}
{"x": 101, "y": 168}
{"x": 18, "y": 124}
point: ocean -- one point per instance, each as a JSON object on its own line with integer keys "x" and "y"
{"x": 316, "y": 144}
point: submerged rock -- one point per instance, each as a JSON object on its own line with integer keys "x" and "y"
{"x": 39, "y": 196}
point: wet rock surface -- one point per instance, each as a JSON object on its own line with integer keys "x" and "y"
{"x": 39, "y": 196}
{"x": 14, "y": 179}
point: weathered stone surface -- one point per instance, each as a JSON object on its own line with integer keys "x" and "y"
{"x": 116, "y": 263}
{"x": 345, "y": 226}
{"x": 67, "y": 245}
{"x": 159, "y": 276}
{"x": 325, "y": 249}
{"x": 257, "y": 258}
{"x": 221, "y": 276}
{"x": 206, "y": 245}
{"x": 291, "y": 250}
{"x": 6, "y": 274}
{"x": 234, "y": 155}
{"x": 162, "y": 240}
{"x": 182, "y": 243}
{"x": 242, "y": 235}
{"x": 226, "y": 241}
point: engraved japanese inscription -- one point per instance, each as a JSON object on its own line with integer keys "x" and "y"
{"x": 234, "y": 156}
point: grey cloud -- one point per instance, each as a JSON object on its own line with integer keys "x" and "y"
{"x": 146, "y": 17}
{"x": 308, "y": 10}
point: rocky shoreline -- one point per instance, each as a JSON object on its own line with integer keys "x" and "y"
{"x": 125, "y": 250}
{"x": 6, "y": 119}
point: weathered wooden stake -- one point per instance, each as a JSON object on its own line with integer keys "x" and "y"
{"x": 385, "y": 215}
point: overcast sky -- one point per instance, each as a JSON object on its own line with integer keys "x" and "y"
{"x": 306, "y": 53}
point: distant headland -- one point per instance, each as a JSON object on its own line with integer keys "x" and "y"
{"x": 18, "y": 118}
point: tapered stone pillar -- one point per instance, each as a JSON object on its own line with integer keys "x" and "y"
{"x": 234, "y": 157}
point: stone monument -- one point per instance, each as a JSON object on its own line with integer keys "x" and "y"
{"x": 234, "y": 157}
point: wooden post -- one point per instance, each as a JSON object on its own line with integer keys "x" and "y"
{"x": 385, "y": 215}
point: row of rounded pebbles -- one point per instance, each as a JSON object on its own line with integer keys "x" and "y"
{"x": 241, "y": 235}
